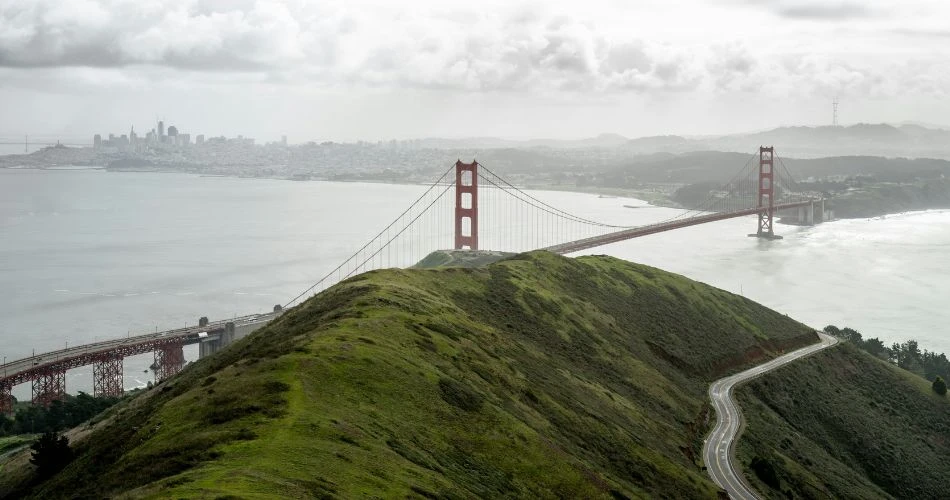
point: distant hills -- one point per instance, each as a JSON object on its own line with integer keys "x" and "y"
{"x": 907, "y": 140}
{"x": 861, "y": 139}
{"x": 601, "y": 141}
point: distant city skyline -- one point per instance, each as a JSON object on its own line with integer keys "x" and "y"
{"x": 86, "y": 139}
{"x": 375, "y": 70}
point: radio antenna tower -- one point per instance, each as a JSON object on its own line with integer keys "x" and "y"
{"x": 834, "y": 115}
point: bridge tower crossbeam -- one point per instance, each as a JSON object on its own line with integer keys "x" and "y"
{"x": 107, "y": 375}
{"x": 169, "y": 360}
{"x": 49, "y": 385}
{"x": 466, "y": 205}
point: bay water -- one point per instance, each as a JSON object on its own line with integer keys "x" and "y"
{"x": 87, "y": 255}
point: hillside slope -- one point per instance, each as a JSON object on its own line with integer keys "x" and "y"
{"x": 535, "y": 376}
{"x": 844, "y": 424}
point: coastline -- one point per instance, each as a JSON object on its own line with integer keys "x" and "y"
{"x": 652, "y": 197}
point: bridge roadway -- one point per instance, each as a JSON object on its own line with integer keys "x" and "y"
{"x": 27, "y": 369}
{"x": 636, "y": 232}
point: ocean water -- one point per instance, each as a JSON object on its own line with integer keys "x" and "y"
{"x": 87, "y": 255}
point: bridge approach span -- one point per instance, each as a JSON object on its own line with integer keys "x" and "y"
{"x": 46, "y": 371}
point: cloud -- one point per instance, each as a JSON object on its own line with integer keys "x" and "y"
{"x": 922, "y": 33}
{"x": 523, "y": 49}
{"x": 732, "y": 67}
{"x": 190, "y": 35}
{"x": 828, "y": 10}
{"x": 517, "y": 49}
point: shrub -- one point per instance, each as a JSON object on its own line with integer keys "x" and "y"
{"x": 51, "y": 452}
{"x": 939, "y": 386}
{"x": 766, "y": 471}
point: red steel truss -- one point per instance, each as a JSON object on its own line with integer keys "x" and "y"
{"x": 49, "y": 386}
{"x": 107, "y": 375}
{"x": 6, "y": 399}
{"x": 169, "y": 360}
{"x": 465, "y": 185}
{"x": 59, "y": 362}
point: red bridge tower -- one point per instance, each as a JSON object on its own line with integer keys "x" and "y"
{"x": 466, "y": 205}
{"x": 766, "y": 190}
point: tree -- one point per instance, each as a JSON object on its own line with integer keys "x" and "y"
{"x": 203, "y": 321}
{"x": 939, "y": 386}
{"x": 833, "y": 330}
{"x": 876, "y": 347}
{"x": 51, "y": 452}
{"x": 851, "y": 335}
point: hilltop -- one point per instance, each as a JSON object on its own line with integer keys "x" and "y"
{"x": 534, "y": 376}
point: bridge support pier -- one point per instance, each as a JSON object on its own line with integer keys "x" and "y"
{"x": 169, "y": 360}
{"x": 6, "y": 399}
{"x": 806, "y": 215}
{"x": 209, "y": 346}
{"x": 107, "y": 375}
{"x": 48, "y": 386}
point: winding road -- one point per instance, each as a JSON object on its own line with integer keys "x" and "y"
{"x": 719, "y": 445}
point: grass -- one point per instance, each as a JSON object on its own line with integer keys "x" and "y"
{"x": 10, "y": 443}
{"x": 843, "y": 424}
{"x": 460, "y": 258}
{"x": 536, "y": 376}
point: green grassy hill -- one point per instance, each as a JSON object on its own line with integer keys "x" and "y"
{"x": 843, "y": 424}
{"x": 535, "y": 376}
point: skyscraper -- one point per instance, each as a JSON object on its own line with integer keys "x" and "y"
{"x": 161, "y": 129}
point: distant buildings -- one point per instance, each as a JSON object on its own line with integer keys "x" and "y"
{"x": 156, "y": 139}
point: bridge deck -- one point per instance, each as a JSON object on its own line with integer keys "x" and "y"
{"x": 636, "y": 232}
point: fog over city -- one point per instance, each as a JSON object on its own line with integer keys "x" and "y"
{"x": 374, "y": 70}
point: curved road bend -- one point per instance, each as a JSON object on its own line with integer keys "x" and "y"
{"x": 717, "y": 450}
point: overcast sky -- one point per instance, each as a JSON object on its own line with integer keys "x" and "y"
{"x": 364, "y": 69}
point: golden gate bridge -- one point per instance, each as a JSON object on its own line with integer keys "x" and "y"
{"x": 469, "y": 207}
